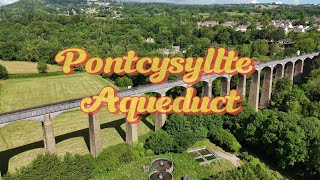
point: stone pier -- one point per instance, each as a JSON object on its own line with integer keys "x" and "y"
{"x": 279, "y": 72}
{"x": 48, "y": 135}
{"x": 94, "y": 135}
{"x": 225, "y": 86}
{"x": 241, "y": 85}
{"x": 160, "y": 118}
{"x": 298, "y": 71}
{"x": 289, "y": 70}
{"x": 266, "y": 88}
{"x": 207, "y": 89}
{"x": 307, "y": 66}
{"x": 131, "y": 133}
{"x": 160, "y": 121}
{"x": 254, "y": 90}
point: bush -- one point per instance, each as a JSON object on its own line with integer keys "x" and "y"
{"x": 160, "y": 142}
{"x": 149, "y": 152}
{"x": 42, "y": 67}
{"x": 109, "y": 159}
{"x": 50, "y": 166}
{"x": 224, "y": 139}
{"x": 124, "y": 81}
{"x": 183, "y": 132}
{"x": 3, "y": 72}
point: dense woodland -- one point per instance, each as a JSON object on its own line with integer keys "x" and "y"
{"x": 287, "y": 134}
{"x": 35, "y": 30}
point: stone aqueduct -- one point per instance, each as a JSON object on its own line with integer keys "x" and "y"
{"x": 293, "y": 68}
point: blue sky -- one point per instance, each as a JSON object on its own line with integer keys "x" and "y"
{"x": 5, "y": 2}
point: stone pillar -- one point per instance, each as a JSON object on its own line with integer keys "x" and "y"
{"x": 289, "y": 71}
{"x": 160, "y": 118}
{"x": 254, "y": 90}
{"x": 94, "y": 134}
{"x": 207, "y": 89}
{"x": 225, "y": 86}
{"x": 48, "y": 135}
{"x": 267, "y": 88}
{"x": 279, "y": 72}
{"x": 241, "y": 85}
{"x": 298, "y": 71}
{"x": 307, "y": 67}
{"x": 160, "y": 121}
{"x": 131, "y": 133}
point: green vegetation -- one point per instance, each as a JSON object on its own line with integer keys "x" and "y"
{"x": 42, "y": 67}
{"x": 120, "y": 162}
{"x": 22, "y": 141}
{"x": 22, "y": 67}
{"x": 253, "y": 169}
{"x": 3, "y": 72}
{"x": 43, "y": 90}
{"x": 160, "y": 142}
{"x": 124, "y": 81}
{"x": 287, "y": 134}
{"x": 225, "y": 139}
{"x": 29, "y": 25}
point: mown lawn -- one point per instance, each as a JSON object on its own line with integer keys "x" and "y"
{"x": 22, "y": 67}
{"x": 29, "y": 92}
{"x": 22, "y": 141}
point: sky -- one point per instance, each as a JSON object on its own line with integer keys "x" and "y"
{"x": 5, "y": 2}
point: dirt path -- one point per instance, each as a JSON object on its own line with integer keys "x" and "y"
{"x": 230, "y": 157}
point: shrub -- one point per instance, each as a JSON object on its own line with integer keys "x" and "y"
{"x": 50, "y": 166}
{"x": 149, "y": 152}
{"x": 112, "y": 157}
{"x": 160, "y": 142}
{"x": 182, "y": 132}
{"x": 124, "y": 81}
{"x": 3, "y": 72}
{"x": 42, "y": 67}
{"x": 224, "y": 139}
{"x": 43, "y": 167}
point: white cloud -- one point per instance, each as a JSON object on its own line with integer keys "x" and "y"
{"x": 5, "y": 2}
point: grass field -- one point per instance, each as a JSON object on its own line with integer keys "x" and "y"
{"x": 22, "y": 141}
{"x": 22, "y": 67}
{"x": 29, "y": 92}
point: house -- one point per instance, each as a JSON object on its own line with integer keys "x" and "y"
{"x": 208, "y": 24}
{"x": 242, "y": 28}
{"x": 285, "y": 41}
{"x": 173, "y": 50}
{"x": 229, "y": 24}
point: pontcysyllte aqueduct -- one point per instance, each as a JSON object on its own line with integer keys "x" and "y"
{"x": 294, "y": 68}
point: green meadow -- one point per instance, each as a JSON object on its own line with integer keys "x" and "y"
{"x": 19, "y": 93}
{"x": 22, "y": 141}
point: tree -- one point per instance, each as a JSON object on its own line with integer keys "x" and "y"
{"x": 180, "y": 129}
{"x": 224, "y": 139}
{"x": 124, "y": 81}
{"x": 160, "y": 142}
{"x": 260, "y": 47}
{"x": 306, "y": 45}
{"x": 42, "y": 67}
{"x": 3, "y": 72}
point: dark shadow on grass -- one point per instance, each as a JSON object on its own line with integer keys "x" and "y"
{"x": 7, "y": 154}
{"x": 147, "y": 123}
